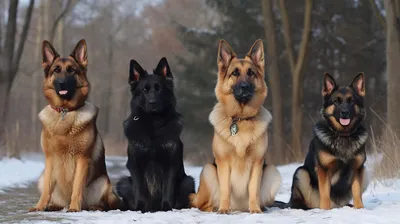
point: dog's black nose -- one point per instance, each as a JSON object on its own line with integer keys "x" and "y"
{"x": 152, "y": 101}
{"x": 61, "y": 80}
{"x": 345, "y": 114}
{"x": 244, "y": 86}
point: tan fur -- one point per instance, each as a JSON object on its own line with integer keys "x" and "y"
{"x": 75, "y": 173}
{"x": 239, "y": 181}
{"x": 74, "y": 162}
{"x": 312, "y": 197}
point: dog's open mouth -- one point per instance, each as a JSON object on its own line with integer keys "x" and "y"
{"x": 344, "y": 121}
{"x": 63, "y": 92}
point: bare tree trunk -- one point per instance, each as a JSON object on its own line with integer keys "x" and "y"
{"x": 297, "y": 67}
{"x": 10, "y": 61}
{"x": 378, "y": 14}
{"x": 279, "y": 150}
{"x": 60, "y": 37}
{"x": 6, "y": 66}
{"x": 37, "y": 77}
{"x": 109, "y": 83}
{"x": 393, "y": 65}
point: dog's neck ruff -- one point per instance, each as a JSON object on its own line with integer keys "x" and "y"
{"x": 82, "y": 116}
{"x": 64, "y": 110}
{"x": 223, "y": 123}
{"x": 340, "y": 143}
{"x": 234, "y": 128}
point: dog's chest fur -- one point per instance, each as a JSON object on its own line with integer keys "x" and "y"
{"x": 343, "y": 147}
{"x": 145, "y": 137}
{"x": 249, "y": 131}
{"x": 65, "y": 139}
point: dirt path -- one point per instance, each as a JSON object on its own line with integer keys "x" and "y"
{"x": 14, "y": 202}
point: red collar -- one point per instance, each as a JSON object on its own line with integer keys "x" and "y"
{"x": 63, "y": 111}
{"x": 60, "y": 109}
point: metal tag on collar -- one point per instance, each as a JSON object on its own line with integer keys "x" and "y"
{"x": 63, "y": 112}
{"x": 234, "y": 128}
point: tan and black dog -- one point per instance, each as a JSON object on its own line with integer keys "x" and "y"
{"x": 333, "y": 172}
{"x": 239, "y": 179}
{"x": 75, "y": 174}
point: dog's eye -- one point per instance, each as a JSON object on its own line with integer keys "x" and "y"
{"x": 146, "y": 88}
{"x": 235, "y": 73}
{"x": 57, "y": 70}
{"x": 350, "y": 100}
{"x": 157, "y": 87}
{"x": 250, "y": 72}
{"x": 337, "y": 100}
{"x": 70, "y": 70}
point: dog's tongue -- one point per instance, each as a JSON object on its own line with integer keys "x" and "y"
{"x": 63, "y": 92}
{"x": 344, "y": 122}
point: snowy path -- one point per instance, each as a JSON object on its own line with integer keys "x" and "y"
{"x": 382, "y": 205}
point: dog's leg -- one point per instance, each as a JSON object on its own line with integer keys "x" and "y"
{"x": 270, "y": 183}
{"x": 47, "y": 186}
{"x": 324, "y": 186}
{"x": 168, "y": 189}
{"x": 207, "y": 196}
{"x": 224, "y": 177}
{"x": 303, "y": 195}
{"x": 185, "y": 188}
{"x": 356, "y": 187}
{"x": 81, "y": 171}
{"x": 125, "y": 191}
{"x": 140, "y": 202}
{"x": 254, "y": 186}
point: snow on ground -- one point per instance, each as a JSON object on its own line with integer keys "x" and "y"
{"x": 382, "y": 204}
{"x": 17, "y": 173}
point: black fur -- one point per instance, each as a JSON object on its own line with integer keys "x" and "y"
{"x": 158, "y": 181}
{"x": 344, "y": 142}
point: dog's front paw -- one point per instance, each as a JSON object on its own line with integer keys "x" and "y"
{"x": 358, "y": 205}
{"x": 73, "y": 210}
{"x": 166, "y": 206}
{"x": 36, "y": 209}
{"x": 255, "y": 210}
{"x": 223, "y": 211}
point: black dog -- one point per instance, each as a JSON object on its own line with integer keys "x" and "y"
{"x": 333, "y": 172}
{"x": 155, "y": 152}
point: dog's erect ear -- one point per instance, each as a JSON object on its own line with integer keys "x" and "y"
{"x": 49, "y": 55}
{"x": 329, "y": 84}
{"x": 80, "y": 53}
{"x": 163, "y": 69}
{"x": 135, "y": 71}
{"x": 359, "y": 84}
{"x": 256, "y": 54}
{"x": 225, "y": 54}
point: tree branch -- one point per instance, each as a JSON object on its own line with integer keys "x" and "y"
{"x": 58, "y": 19}
{"x": 378, "y": 14}
{"x": 287, "y": 35}
{"x": 25, "y": 30}
{"x": 305, "y": 38}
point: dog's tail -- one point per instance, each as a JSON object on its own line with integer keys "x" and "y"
{"x": 281, "y": 205}
{"x": 124, "y": 190}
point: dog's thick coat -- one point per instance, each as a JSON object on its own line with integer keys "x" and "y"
{"x": 75, "y": 173}
{"x": 333, "y": 172}
{"x": 155, "y": 152}
{"x": 239, "y": 180}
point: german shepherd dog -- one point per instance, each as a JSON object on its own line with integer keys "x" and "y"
{"x": 155, "y": 152}
{"x": 75, "y": 172}
{"x": 333, "y": 172}
{"x": 239, "y": 179}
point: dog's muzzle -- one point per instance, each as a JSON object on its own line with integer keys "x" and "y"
{"x": 243, "y": 92}
{"x": 65, "y": 87}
